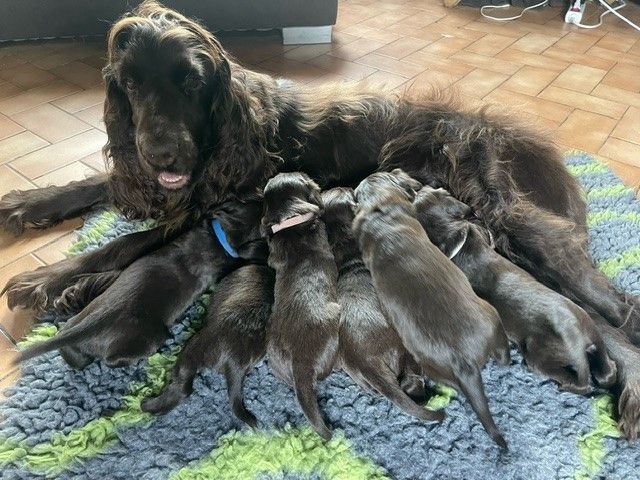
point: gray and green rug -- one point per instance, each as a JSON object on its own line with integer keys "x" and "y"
{"x": 56, "y": 422}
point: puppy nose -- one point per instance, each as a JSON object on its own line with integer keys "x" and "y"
{"x": 160, "y": 155}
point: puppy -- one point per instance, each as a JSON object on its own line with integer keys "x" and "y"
{"x": 232, "y": 340}
{"x": 369, "y": 349}
{"x": 557, "y": 338}
{"x": 441, "y": 321}
{"x": 130, "y": 319}
{"x": 302, "y": 341}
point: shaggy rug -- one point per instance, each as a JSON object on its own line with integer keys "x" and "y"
{"x": 56, "y": 422}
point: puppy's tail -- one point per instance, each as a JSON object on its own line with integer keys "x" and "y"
{"x": 234, "y": 375}
{"x": 303, "y": 384}
{"x": 86, "y": 288}
{"x": 380, "y": 378}
{"x": 65, "y": 338}
{"x": 470, "y": 382}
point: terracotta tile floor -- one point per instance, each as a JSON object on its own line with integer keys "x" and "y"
{"x": 583, "y": 85}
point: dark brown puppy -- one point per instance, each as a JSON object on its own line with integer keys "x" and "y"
{"x": 441, "y": 321}
{"x": 103, "y": 330}
{"x": 130, "y": 319}
{"x": 557, "y": 338}
{"x": 303, "y": 335}
{"x": 232, "y": 340}
{"x": 369, "y": 349}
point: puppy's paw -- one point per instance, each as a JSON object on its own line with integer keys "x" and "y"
{"x": 163, "y": 403}
{"x": 603, "y": 369}
{"x": 74, "y": 298}
{"x": 629, "y": 410}
{"x": 18, "y": 211}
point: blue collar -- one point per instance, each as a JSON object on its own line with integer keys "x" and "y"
{"x": 222, "y": 238}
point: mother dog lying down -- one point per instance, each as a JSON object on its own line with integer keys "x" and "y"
{"x": 188, "y": 127}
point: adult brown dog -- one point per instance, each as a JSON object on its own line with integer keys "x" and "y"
{"x": 303, "y": 332}
{"x": 169, "y": 82}
{"x": 449, "y": 330}
{"x": 369, "y": 349}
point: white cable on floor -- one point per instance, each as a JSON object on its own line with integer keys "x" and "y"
{"x": 507, "y": 5}
{"x": 606, "y": 12}
{"x": 621, "y": 17}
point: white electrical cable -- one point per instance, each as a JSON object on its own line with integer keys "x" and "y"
{"x": 606, "y": 12}
{"x": 609, "y": 8}
{"x": 621, "y": 17}
{"x": 507, "y": 5}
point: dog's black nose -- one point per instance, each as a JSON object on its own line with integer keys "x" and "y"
{"x": 159, "y": 155}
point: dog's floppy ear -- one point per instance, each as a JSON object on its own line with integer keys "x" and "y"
{"x": 117, "y": 113}
{"x": 455, "y": 239}
{"x": 457, "y": 209}
{"x": 410, "y": 184}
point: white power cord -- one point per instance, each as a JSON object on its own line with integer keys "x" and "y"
{"x": 574, "y": 14}
{"x": 507, "y": 5}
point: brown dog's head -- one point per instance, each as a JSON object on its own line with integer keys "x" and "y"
{"x": 386, "y": 187}
{"x": 171, "y": 102}
{"x": 444, "y": 218}
{"x": 339, "y": 206}
{"x": 290, "y": 196}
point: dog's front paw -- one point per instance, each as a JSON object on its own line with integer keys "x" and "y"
{"x": 19, "y": 211}
{"x": 35, "y": 290}
{"x": 629, "y": 410}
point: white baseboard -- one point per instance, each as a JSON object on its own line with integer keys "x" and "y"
{"x": 306, "y": 35}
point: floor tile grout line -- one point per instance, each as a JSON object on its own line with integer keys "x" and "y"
{"x": 11, "y": 117}
{"x": 10, "y": 167}
{"x": 65, "y": 166}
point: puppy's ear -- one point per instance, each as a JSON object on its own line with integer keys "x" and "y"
{"x": 457, "y": 209}
{"x": 455, "y": 239}
{"x": 410, "y": 184}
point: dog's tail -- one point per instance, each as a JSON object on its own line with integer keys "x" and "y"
{"x": 65, "y": 338}
{"x": 470, "y": 383}
{"x": 234, "y": 375}
{"x": 86, "y": 288}
{"x": 379, "y": 377}
{"x": 303, "y": 384}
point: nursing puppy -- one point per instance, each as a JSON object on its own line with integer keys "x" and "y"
{"x": 441, "y": 321}
{"x": 369, "y": 349}
{"x": 232, "y": 340}
{"x": 302, "y": 340}
{"x": 557, "y": 338}
{"x": 119, "y": 330}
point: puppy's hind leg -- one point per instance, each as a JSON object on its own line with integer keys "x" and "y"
{"x": 303, "y": 384}
{"x": 383, "y": 380}
{"x": 470, "y": 383}
{"x": 234, "y": 375}
{"x": 180, "y": 388}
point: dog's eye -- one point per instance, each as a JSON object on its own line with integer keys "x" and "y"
{"x": 192, "y": 84}
{"x": 130, "y": 85}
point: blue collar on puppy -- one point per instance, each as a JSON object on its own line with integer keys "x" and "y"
{"x": 222, "y": 238}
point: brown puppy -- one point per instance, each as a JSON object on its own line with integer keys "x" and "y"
{"x": 446, "y": 327}
{"x": 130, "y": 319}
{"x": 232, "y": 340}
{"x": 369, "y": 349}
{"x": 557, "y": 338}
{"x": 303, "y": 336}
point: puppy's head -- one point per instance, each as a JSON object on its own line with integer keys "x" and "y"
{"x": 240, "y": 220}
{"x": 561, "y": 361}
{"x": 443, "y": 217}
{"x": 288, "y": 196}
{"x": 339, "y": 206}
{"x": 386, "y": 187}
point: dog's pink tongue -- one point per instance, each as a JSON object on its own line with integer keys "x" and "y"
{"x": 170, "y": 177}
